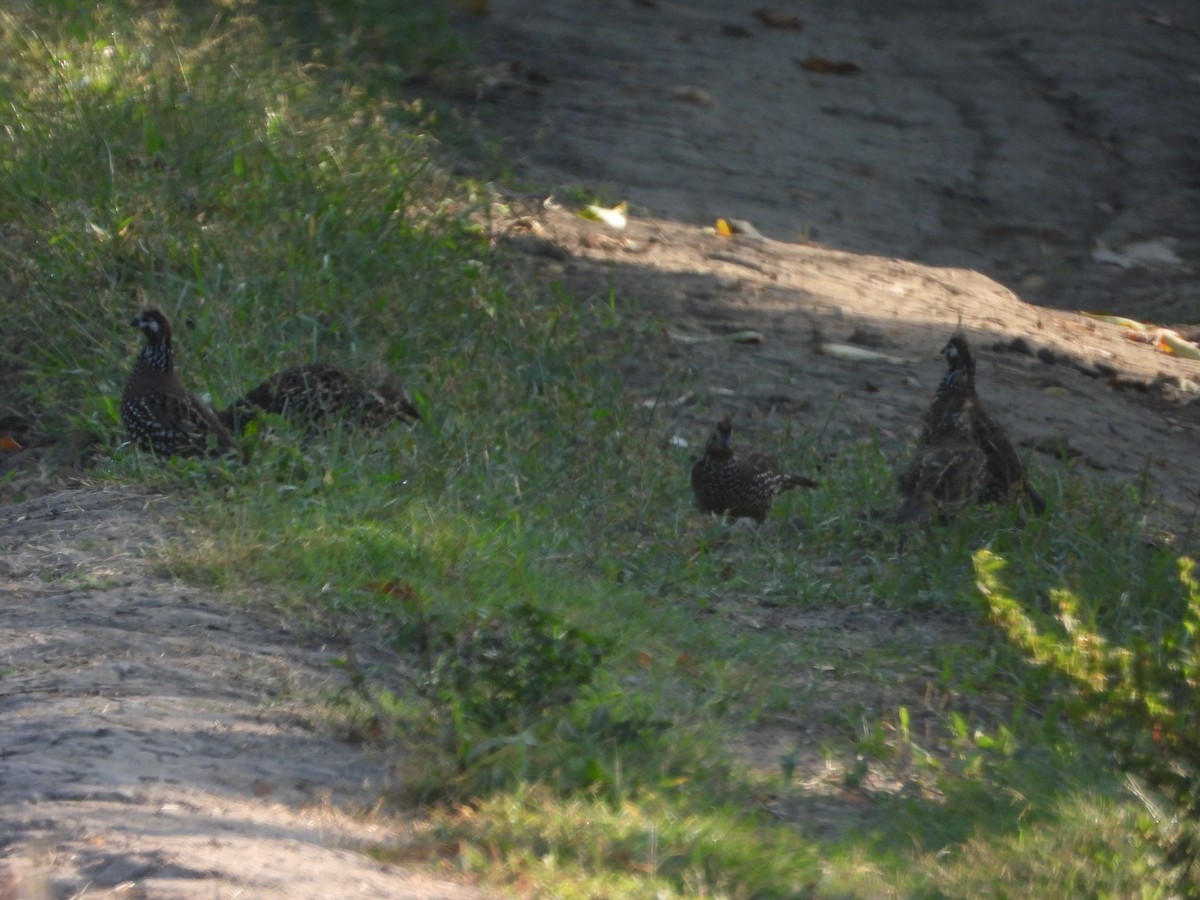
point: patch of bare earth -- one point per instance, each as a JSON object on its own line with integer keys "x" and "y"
{"x": 157, "y": 741}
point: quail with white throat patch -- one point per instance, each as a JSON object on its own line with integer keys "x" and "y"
{"x": 158, "y": 412}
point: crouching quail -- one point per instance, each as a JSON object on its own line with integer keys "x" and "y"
{"x": 158, "y": 412}
{"x": 311, "y": 394}
{"x": 738, "y": 482}
{"x": 963, "y": 455}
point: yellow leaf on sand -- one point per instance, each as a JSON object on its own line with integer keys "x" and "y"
{"x": 1164, "y": 339}
{"x": 1118, "y": 320}
{"x": 723, "y": 228}
{"x": 1174, "y": 343}
{"x": 617, "y": 217}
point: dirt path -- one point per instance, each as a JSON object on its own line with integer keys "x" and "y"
{"x": 155, "y": 741}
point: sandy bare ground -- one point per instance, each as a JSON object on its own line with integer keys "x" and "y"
{"x": 1006, "y": 137}
{"x": 157, "y": 741}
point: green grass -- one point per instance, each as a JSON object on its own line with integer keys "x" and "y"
{"x": 767, "y": 713}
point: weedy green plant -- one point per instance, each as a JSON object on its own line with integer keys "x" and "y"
{"x": 1137, "y": 691}
{"x": 508, "y": 672}
{"x": 508, "y": 695}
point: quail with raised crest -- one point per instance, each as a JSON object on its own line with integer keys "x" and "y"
{"x": 738, "y": 482}
{"x": 963, "y": 455}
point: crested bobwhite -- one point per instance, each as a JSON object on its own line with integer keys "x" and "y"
{"x": 158, "y": 412}
{"x": 738, "y": 482}
{"x": 963, "y": 455}
{"x": 310, "y": 394}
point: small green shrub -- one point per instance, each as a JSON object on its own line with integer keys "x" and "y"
{"x": 508, "y": 671}
{"x": 1139, "y": 697}
{"x": 491, "y": 699}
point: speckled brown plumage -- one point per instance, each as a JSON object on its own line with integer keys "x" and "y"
{"x": 158, "y": 412}
{"x": 312, "y": 394}
{"x": 963, "y": 455}
{"x": 738, "y": 482}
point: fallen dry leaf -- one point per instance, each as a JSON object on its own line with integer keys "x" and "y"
{"x": 474, "y": 7}
{"x": 742, "y": 226}
{"x": 1117, "y": 320}
{"x": 689, "y": 93}
{"x": 779, "y": 18}
{"x": 397, "y": 590}
{"x": 7, "y": 443}
{"x": 1173, "y": 342}
{"x": 737, "y": 337}
{"x": 856, "y": 354}
{"x": 1143, "y": 337}
{"x": 617, "y": 217}
{"x": 1163, "y": 339}
{"x": 823, "y": 66}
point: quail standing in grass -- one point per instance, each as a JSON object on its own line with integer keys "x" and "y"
{"x": 315, "y": 393}
{"x": 158, "y": 412}
{"x": 963, "y": 455}
{"x": 738, "y": 482}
